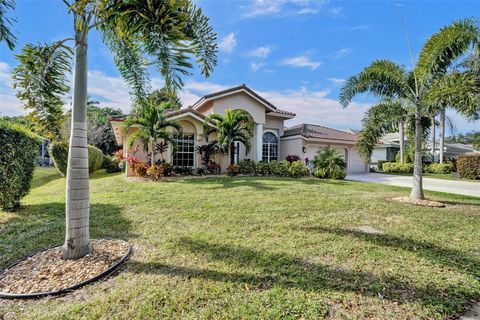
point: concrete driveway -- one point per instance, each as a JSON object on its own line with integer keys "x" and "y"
{"x": 449, "y": 186}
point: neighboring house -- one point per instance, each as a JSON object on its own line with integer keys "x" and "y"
{"x": 270, "y": 141}
{"x": 450, "y": 150}
{"x": 387, "y": 148}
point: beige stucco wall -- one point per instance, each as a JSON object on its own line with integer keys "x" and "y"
{"x": 240, "y": 101}
{"x": 274, "y": 123}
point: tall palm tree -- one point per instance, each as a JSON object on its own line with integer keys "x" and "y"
{"x": 426, "y": 85}
{"x": 152, "y": 125}
{"x": 6, "y": 22}
{"x": 140, "y": 33}
{"x": 235, "y": 126}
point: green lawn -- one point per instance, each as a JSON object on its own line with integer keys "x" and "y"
{"x": 257, "y": 248}
{"x": 443, "y": 176}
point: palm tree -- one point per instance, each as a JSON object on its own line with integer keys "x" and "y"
{"x": 384, "y": 117}
{"x": 329, "y": 163}
{"x": 6, "y": 22}
{"x": 427, "y": 85}
{"x": 235, "y": 126}
{"x": 140, "y": 33}
{"x": 152, "y": 125}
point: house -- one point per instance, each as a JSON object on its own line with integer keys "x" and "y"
{"x": 271, "y": 139}
{"x": 387, "y": 148}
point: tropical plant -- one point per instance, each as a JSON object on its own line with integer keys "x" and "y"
{"x": 246, "y": 166}
{"x": 232, "y": 170}
{"x": 6, "y": 22}
{"x": 207, "y": 151}
{"x": 427, "y": 85}
{"x": 164, "y": 95}
{"x": 139, "y": 34}
{"x": 151, "y": 124}
{"x": 328, "y": 163}
{"x": 297, "y": 169}
{"x": 41, "y": 80}
{"x": 235, "y": 126}
{"x": 292, "y": 157}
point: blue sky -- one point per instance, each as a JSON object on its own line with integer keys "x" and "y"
{"x": 295, "y": 53}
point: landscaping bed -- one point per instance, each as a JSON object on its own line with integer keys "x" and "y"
{"x": 47, "y": 273}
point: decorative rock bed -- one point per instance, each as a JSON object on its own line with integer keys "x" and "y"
{"x": 420, "y": 202}
{"x": 46, "y": 273}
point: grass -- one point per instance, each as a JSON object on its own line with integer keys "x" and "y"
{"x": 257, "y": 248}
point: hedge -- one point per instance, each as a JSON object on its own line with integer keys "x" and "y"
{"x": 18, "y": 157}
{"x": 468, "y": 166}
{"x": 439, "y": 168}
{"x": 396, "y": 167}
{"x": 282, "y": 168}
{"x": 59, "y": 153}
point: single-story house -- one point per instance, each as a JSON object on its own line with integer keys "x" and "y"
{"x": 271, "y": 140}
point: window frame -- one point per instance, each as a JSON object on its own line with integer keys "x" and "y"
{"x": 178, "y": 152}
{"x": 267, "y": 147}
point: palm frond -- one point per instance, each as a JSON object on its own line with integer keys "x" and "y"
{"x": 6, "y": 22}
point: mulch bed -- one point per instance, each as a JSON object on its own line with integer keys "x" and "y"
{"x": 46, "y": 271}
{"x": 422, "y": 202}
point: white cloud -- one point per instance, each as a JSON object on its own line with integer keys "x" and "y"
{"x": 228, "y": 43}
{"x": 260, "y": 52}
{"x": 301, "y": 61}
{"x": 254, "y": 66}
{"x": 282, "y": 7}
{"x": 337, "y": 80}
{"x": 341, "y": 53}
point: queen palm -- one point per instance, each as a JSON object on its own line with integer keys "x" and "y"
{"x": 140, "y": 34}
{"x": 6, "y": 22}
{"x": 152, "y": 125}
{"x": 427, "y": 85}
{"x": 235, "y": 126}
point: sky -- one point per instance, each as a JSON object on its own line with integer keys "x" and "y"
{"x": 294, "y": 53}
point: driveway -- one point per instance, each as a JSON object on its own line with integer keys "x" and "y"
{"x": 449, "y": 186}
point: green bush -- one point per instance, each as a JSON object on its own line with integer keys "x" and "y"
{"x": 396, "y": 167}
{"x": 439, "y": 168}
{"x": 111, "y": 164}
{"x": 380, "y": 164}
{"x": 232, "y": 170}
{"x": 59, "y": 153}
{"x": 18, "y": 156}
{"x": 468, "y": 166}
{"x": 264, "y": 168}
{"x": 246, "y": 166}
{"x": 336, "y": 174}
{"x": 298, "y": 169}
{"x": 280, "y": 168}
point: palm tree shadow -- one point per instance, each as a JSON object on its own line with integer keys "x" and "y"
{"x": 292, "y": 272}
{"x": 230, "y": 182}
{"x": 33, "y": 227}
{"x": 450, "y": 258}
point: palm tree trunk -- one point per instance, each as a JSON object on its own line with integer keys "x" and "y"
{"x": 77, "y": 236}
{"x": 441, "y": 136}
{"x": 401, "y": 130}
{"x": 417, "y": 187}
{"x": 152, "y": 158}
{"x": 433, "y": 138}
{"x": 232, "y": 153}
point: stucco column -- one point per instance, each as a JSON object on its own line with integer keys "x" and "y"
{"x": 259, "y": 141}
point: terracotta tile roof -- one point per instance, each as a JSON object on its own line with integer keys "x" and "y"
{"x": 314, "y": 131}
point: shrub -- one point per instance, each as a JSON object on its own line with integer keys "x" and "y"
{"x": 292, "y": 158}
{"x": 280, "y": 168}
{"x": 297, "y": 169}
{"x": 59, "y": 153}
{"x": 380, "y": 164}
{"x": 155, "y": 172}
{"x": 468, "y": 166}
{"x": 213, "y": 167}
{"x": 232, "y": 170}
{"x": 329, "y": 164}
{"x": 246, "y": 166}
{"x": 167, "y": 169}
{"x": 395, "y": 167}
{"x": 140, "y": 169}
{"x": 111, "y": 164}
{"x": 18, "y": 156}
{"x": 264, "y": 168}
{"x": 439, "y": 168}
{"x": 184, "y": 171}
{"x": 200, "y": 171}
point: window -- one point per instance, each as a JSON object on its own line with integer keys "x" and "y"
{"x": 270, "y": 147}
{"x": 184, "y": 152}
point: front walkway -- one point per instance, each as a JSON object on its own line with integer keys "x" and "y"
{"x": 449, "y": 186}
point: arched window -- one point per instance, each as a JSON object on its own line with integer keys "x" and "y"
{"x": 270, "y": 147}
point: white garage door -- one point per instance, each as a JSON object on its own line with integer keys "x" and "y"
{"x": 357, "y": 165}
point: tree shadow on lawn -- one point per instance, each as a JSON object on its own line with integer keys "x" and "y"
{"x": 256, "y": 182}
{"x": 288, "y": 271}
{"x": 451, "y": 258}
{"x": 34, "y": 227}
